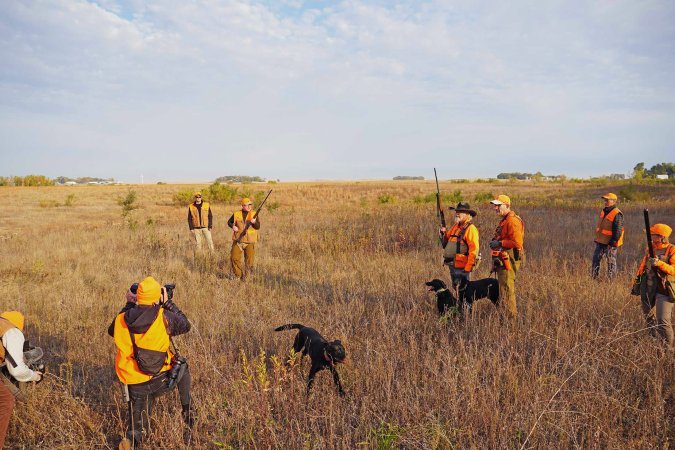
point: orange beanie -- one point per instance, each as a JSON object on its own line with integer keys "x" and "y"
{"x": 15, "y": 318}
{"x": 149, "y": 291}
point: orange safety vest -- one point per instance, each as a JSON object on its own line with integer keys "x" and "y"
{"x": 155, "y": 339}
{"x": 5, "y": 326}
{"x": 197, "y": 220}
{"x": 251, "y": 234}
{"x": 457, "y": 247}
{"x": 603, "y": 232}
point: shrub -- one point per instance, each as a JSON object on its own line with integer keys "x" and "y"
{"x": 48, "y": 204}
{"x": 70, "y": 198}
{"x": 483, "y": 197}
{"x": 385, "y": 199}
{"x": 221, "y": 193}
{"x": 632, "y": 194}
{"x": 128, "y": 202}
{"x": 182, "y": 197}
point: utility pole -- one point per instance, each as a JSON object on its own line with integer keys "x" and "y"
{"x": 141, "y": 178}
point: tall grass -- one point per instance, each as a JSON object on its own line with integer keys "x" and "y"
{"x": 576, "y": 369}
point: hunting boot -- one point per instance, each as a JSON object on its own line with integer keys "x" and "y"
{"x": 189, "y": 415}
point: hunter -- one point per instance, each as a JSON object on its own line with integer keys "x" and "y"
{"x": 145, "y": 363}
{"x": 461, "y": 244}
{"x": 655, "y": 283}
{"x": 12, "y": 359}
{"x": 200, "y": 221}
{"x": 608, "y": 236}
{"x": 507, "y": 252}
{"x": 246, "y": 244}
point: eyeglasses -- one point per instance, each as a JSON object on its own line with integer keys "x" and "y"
{"x": 198, "y": 196}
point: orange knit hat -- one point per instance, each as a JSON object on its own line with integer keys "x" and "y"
{"x": 14, "y": 317}
{"x": 149, "y": 291}
{"x": 661, "y": 229}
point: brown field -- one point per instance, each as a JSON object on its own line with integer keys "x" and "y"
{"x": 577, "y": 370}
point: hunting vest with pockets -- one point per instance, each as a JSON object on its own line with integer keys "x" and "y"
{"x": 5, "y": 326}
{"x": 200, "y": 221}
{"x": 603, "y": 232}
{"x": 665, "y": 284}
{"x": 251, "y": 234}
{"x": 456, "y": 249}
{"x": 141, "y": 356}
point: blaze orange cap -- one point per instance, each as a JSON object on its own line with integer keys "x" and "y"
{"x": 661, "y": 229}
{"x": 610, "y": 196}
{"x": 197, "y": 193}
{"x": 245, "y": 201}
{"x": 501, "y": 200}
{"x": 14, "y": 317}
{"x": 149, "y": 291}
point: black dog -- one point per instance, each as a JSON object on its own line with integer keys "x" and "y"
{"x": 469, "y": 293}
{"x": 324, "y": 354}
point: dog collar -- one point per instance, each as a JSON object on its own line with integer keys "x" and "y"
{"x": 441, "y": 290}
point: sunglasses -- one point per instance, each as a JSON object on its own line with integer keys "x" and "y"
{"x": 198, "y": 196}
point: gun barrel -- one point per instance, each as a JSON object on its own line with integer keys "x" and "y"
{"x": 648, "y": 232}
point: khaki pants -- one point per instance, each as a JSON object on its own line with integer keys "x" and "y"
{"x": 507, "y": 288}
{"x": 6, "y": 406}
{"x": 235, "y": 258}
{"x": 658, "y": 311}
{"x": 202, "y": 234}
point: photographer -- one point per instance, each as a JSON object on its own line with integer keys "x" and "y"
{"x": 11, "y": 356}
{"x": 145, "y": 363}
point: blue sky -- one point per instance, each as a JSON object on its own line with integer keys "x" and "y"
{"x": 191, "y": 90}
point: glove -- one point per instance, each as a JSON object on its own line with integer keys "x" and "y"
{"x": 652, "y": 262}
{"x": 495, "y": 244}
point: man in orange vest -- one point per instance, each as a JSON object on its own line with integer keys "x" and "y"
{"x": 608, "y": 236}
{"x": 12, "y": 357}
{"x": 657, "y": 289}
{"x": 507, "y": 252}
{"x": 145, "y": 363}
{"x": 461, "y": 244}
{"x": 200, "y": 221}
{"x": 246, "y": 245}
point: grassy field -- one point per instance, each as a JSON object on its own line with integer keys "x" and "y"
{"x": 577, "y": 370}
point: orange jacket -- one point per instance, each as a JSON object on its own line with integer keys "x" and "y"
{"x": 251, "y": 234}
{"x": 155, "y": 338}
{"x": 511, "y": 231}
{"x": 465, "y": 258}
{"x": 666, "y": 255}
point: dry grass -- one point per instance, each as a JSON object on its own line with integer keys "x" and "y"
{"x": 575, "y": 371}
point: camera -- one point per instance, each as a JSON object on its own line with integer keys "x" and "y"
{"x": 178, "y": 363}
{"x": 169, "y": 291}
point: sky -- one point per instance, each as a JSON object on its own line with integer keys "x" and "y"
{"x": 190, "y": 90}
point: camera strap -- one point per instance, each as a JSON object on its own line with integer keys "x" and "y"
{"x": 9, "y": 357}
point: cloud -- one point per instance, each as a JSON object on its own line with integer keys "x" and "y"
{"x": 330, "y": 83}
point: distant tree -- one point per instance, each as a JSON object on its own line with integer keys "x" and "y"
{"x": 661, "y": 169}
{"x": 239, "y": 179}
{"x": 639, "y": 171}
{"x": 406, "y": 177}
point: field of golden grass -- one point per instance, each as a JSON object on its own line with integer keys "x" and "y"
{"x": 577, "y": 370}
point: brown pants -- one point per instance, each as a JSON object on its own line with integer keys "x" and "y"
{"x": 6, "y": 406}
{"x": 507, "y": 288}
{"x": 235, "y": 258}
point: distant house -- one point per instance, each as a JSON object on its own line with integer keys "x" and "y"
{"x": 662, "y": 177}
{"x": 70, "y": 183}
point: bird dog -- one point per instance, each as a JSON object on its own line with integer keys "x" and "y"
{"x": 472, "y": 291}
{"x": 324, "y": 354}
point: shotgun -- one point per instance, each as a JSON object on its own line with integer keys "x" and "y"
{"x": 248, "y": 222}
{"x": 439, "y": 208}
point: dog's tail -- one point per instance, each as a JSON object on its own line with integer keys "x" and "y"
{"x": 289, "y": 326}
